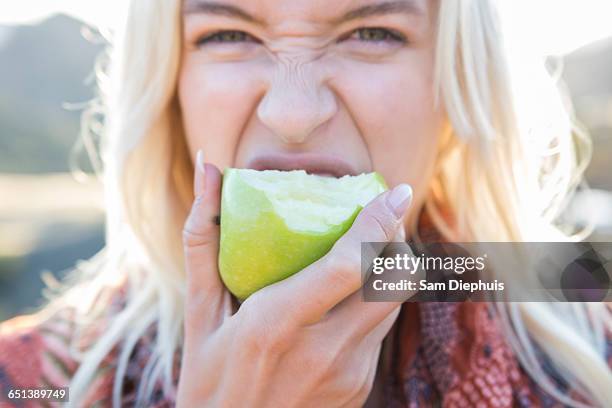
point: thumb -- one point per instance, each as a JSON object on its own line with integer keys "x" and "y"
{"x": 206, "y": 298}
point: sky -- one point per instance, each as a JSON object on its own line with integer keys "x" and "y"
{"x": 96, "y": 12}
{"x": 552, "y": 27}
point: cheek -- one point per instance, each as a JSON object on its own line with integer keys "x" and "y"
{"x": 393, "y": 107}
{"x": 216, "y": 101}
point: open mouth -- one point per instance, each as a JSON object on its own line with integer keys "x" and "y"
{"x": 311, "y": 163}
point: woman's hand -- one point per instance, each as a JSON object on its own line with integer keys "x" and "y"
{"x": 309, "y": 340}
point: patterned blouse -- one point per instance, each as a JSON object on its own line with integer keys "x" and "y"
{"x": 441, "y": 354}
{"x": 437, "y": 354}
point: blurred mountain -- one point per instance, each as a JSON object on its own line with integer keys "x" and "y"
{"x": 47, "y": 221}
{"x": 42, "y": 67}
{"x": 587, "y": 73}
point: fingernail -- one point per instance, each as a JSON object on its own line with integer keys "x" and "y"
{"x": 399, "y": 198}
{"x": 200, "y": 160}
{"x": 198, "y": 181}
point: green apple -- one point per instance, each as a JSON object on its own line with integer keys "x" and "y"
{"x": 275, "y": 223}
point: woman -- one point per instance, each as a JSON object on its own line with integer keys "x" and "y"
{"x": 426, "y": 93}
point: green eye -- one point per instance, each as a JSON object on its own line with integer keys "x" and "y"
{"x": 375, "y": 34}
{"x": 226, "y": 36}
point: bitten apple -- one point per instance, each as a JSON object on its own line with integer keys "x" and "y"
{"x": 275, "y": 223}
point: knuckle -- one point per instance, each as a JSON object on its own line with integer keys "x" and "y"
{"x": 383, "y": 223}
{"x": 356, "y": 387}
{"x": 366, "y": 382}
{"x": 322, "y": 361}
{"x": 344, "y": 259}
{"x": 344, "y": 268}
{"x": 192, "y": 238}
{"x": 197, "y": 232}
{"x": 263, "y": 334}
{"x": 268, "y": 340}
{"x": 363, "y": 392}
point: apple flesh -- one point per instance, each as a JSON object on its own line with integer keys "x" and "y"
{"x": 276, "y": 223}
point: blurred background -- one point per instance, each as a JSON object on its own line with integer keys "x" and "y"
{"x": 49, "y": 218}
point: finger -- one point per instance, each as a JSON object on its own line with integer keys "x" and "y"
{"x": 322, "y": 285}
{"x": 361, "y": 316}
{"x": 205, "y": 293}
{"x": 380, "y": 331}
{"x": 374, "y": 331}
{"x": 369, "y": 354}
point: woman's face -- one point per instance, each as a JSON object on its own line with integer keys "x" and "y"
{"x": 332, "y": 87}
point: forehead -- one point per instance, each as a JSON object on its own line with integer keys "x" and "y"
{"x": 278, "y": 11}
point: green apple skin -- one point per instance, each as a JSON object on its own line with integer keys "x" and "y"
{"x": 257, "y": 248}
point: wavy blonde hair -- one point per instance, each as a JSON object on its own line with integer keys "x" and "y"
{"x": 510, "y": 161}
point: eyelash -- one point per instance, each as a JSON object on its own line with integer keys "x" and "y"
{"x": 225, "y": 36}
{"x": 385, "y": 33}
{"x": 375, "y": 34}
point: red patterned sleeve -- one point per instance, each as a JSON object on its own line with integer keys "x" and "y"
{"x": 34, "y": 353}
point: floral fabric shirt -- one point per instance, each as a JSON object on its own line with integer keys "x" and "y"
{"x": 442, "y": 354}
{"x": 436, "y": 355}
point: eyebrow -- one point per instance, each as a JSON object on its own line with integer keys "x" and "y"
{"x": 378, "y": 9}
{"x": 219, "y": 9}
{"x": 371, "y": 10}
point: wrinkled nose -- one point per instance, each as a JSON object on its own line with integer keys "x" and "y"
{"x": 297, "y": 101}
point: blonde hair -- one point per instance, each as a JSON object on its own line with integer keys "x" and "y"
{"x": 502, "y": 174}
